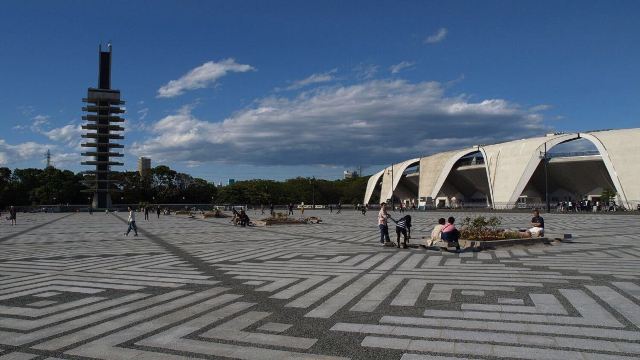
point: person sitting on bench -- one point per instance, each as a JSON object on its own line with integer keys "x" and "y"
{"x": 244, "y": 218}
{"x": 537, "y": 225}
{"x": 450, "y": 234}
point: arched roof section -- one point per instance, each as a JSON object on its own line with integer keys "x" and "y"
{"x": 394, "y": 173}
{"x": 430, "y": 169}
{"x": 371, "y": 186}
{"x": 620, "y": 151}
{"x": 510, "y": 165}
{"x": 448, "y": 166}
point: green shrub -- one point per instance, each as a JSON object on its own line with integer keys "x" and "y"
{"x": 481, "y": 228}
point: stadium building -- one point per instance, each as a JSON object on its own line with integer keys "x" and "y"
{"x": 519, "y": 173}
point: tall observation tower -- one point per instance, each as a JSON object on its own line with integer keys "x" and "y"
{"x": 103, "y": 119}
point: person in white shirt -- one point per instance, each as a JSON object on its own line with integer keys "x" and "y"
{"x": 132, "y": 223}
{"x": 382, "y": 224}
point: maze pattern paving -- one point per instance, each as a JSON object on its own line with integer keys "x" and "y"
{"x": 72, "y": 286}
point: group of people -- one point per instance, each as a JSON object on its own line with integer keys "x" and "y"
{"x": 444, "y": 234}
{"x": 403, "y": 227}
{"x": 586, "y": 206}
{"x": 240, "y": 217}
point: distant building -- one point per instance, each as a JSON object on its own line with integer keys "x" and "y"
{"x": 347, "y": 174}
{"x": 144, "y": 166}
{"x": 231, "y": 181}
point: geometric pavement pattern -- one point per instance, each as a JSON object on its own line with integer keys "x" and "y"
{"x": 73, "y": 287}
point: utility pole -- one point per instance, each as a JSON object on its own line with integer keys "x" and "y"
{"x": 313, "y": 192}
{"x": 545, "y": 157}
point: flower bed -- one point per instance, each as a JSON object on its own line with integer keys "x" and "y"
{"x": 483, "y": 229}
{"x": 283, "y": 219}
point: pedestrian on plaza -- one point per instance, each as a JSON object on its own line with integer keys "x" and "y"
{"x": 450, "y": 234}
{"x": 132, "y": 222}
{"x": 90, "y": 210}
{"x": 146, "y": 213}
{"x": 12, "y": 215}
{"x": 271, "y": 207}
{"x": 382, "y": 224}
{"x": 403, "y": 226}
{"x": 244, "y": 218}
{"x": 158, "y": 211}
{"x": 302, "y": 208}
{"x": 290, "y": 208}
{"x": 364, "y": 209}
{"x": 331, "y": 208}
{"x": 339, "y": 207}
{"x": 262, "y": 209}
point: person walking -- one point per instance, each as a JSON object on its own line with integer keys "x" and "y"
{"x": 12, "y": 215}
{"x": 290, "y": 208}
{"x": 382, "y": 224}
{"x": 132, "y": 222}
{"x": 146, "y": 213}
{"x": 158, "y": 211}
{"x": 271, "y": 208}
{"x": 331, "y": 208}
{"x": 90, "y": 210}
{"x": 339, "y": 207}
{"x": 302, "y": 208}
{"x": 364, "y": 209}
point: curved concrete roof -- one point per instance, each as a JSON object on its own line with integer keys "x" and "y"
{"x": 391, "y": 177}
{"x": 371, "y": 185}
{"x": 510, "y": 165}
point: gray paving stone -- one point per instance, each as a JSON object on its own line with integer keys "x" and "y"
{"x": 202, "y": 288}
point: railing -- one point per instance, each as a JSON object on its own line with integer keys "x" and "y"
{"x": 552, "y": 155}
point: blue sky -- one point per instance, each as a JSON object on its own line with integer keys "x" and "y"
{"x": 278, "y": 89}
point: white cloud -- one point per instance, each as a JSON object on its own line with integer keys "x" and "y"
{"x": 60, "y": 159}
{"x": 366, "y": 71}
{"x": 374, "y": 122}
{"x": 142, "y": 113}
{"x": 36, "y": 124}
{"x": 539, "y": 108}
{"x": 440, "y": 35}
{"x": 401, "y": 66}
{"x": 68, "y": 134}
{"x": 11, "y": 154}
{"x": 201, "y": 77}
{"x": 313, "y": 79}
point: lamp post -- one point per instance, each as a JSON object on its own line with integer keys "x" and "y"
{"x": 313, "y": 192}
{"x": 545, "y": 157}
{"x": 392, "y": 199}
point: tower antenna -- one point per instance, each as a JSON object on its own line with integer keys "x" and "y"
{"x": 48, "y": 156}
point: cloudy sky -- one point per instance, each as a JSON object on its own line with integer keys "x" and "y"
{"x": 278, "y": 89}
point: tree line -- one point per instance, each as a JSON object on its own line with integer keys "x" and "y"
{"x": 51, "y": 186}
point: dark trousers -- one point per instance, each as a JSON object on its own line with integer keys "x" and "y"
{"x": 132, "y": 225}
{"x": 402, "y": 231}
{"x": 384, "y": 233}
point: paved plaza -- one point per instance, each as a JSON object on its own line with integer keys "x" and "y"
{"x": 73, "y": 287}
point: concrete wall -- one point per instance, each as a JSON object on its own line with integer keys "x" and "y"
{"x": 620, "y": 150}
{"x": 371, "y": 186}
{"x": 395, "y": 175}
{"x": 510, "y": 165}
{"x": 430, "y": 169}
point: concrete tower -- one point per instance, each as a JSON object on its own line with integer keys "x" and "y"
{"x": 103, "y": 109}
